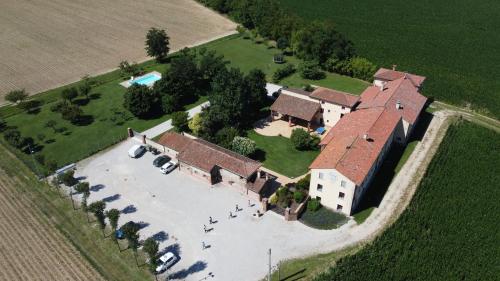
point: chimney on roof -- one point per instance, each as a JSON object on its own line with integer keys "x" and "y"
{"x": 394, "y": 67}
{"x": 365, "y": 136}
{"x": 382, "y": 86}
{"x": 406, "y": 75}
{"x": 398, "y": 105}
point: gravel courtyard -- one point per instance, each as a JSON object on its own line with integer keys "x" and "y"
{"x": 176, "y": 206}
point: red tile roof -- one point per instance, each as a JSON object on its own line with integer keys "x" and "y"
{"x": 391, "y": 75}
{"x": 334, "y": 96}
{"x": 296, "y": 107}
{"x": 401, "y": 90}
{"x": 174, "y": 141}
{"x": 348, "y": 151}
{"x": 205, "y": 156}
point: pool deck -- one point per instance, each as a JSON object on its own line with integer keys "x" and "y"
{"x": 127, "y": 83}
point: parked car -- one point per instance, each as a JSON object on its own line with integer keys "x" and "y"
{"x": 169, "y": 167}
{"x": 136, "y": 150}
{"x": 161, "y": 160}
{"x": 165, "y": 262}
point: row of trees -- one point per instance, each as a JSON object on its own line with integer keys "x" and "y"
{"x": 98, "y": 209}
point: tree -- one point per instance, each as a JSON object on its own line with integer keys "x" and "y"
{"x": 68, "y": 178}
{"x": 16, "y": 96}
{"x": 113, "y": 216}
{"x": 224, "y": 137}
{"x": 51, "y": 124}
{"x": 13, "y": 137}
{"x": 157, "y": 43}
{"x": 282, "y": 43}
{"x": 195, "y": 124}
{"x": 244, "y": 146}
{"x": 140, "y": 100}
{"x": 151, "y": 247}
{"x": 128, "y": 69}
{"x": 69, "y": 94}
{"x": 362, "y": 68}
{"x": 256, "y": 87}
{"x": 3, "y": 124}
{"x": 300, "y": 139}
{"x": 130, "y": 230}
{"x": 319, "y": 41}
{"x": 84, "y": 189}
{"x": 179, "y": 84}
{"x": 311, "y": 70}
{"x": 72, "y": 113}
{"x": 85, "y": 87}
{"x": 180, "y": 121}
{"x": 210, "y": 63}
{"x": 97, "y": 208}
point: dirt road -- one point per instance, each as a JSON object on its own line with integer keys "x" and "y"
{"x": 45, "y": 44}
{"x": 30, "y": 247}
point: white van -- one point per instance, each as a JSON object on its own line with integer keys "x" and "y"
{"x": 136, "y": 150}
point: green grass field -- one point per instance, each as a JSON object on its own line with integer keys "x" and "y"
{"x": 110, "y": 119}
{"x": 102, "y": 254}
{"x": 278, "y": 154}
{"x": 450, "y": 229}
{"x": 453, "y": 43}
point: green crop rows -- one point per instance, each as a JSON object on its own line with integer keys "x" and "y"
{"x": 450, "y": 230}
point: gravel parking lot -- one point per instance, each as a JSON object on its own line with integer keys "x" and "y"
{"x": 175, "y": 207}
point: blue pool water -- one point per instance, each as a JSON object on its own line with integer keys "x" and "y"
{"x": 146, "y": 80}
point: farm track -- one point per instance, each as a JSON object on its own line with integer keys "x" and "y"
{"x": 31, "y": 248}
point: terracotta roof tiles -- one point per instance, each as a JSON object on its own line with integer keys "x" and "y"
{"x": 334, "y": 96}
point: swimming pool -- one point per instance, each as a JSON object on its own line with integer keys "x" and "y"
{"x": 147, "y": 80}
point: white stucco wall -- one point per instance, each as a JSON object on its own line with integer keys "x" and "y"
{"x": 331, "y": 181}
{"x": 332, "y": 113}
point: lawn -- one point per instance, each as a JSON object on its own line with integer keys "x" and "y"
{"x": 109, "y": 119}
{"x": 247, "y": 55}
{"x": 57, "y": 211}
{"x": 278, "y": 154}
{"x": 323, "y": 218}
{"x": 453, "y": 43}
{"x": 449, "y": 231}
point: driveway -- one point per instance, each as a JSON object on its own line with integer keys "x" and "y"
{"x": 167, "y": 125}
{"x": 175, "y": 207}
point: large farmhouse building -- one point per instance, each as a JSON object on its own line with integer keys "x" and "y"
{"x": 363, "y": 129}
{"x": 354, "y": 149}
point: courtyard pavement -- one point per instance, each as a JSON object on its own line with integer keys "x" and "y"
{"x": 175, "y": 207}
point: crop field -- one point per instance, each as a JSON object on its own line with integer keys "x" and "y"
{"x": 43, "y": 238}
{"x": 453, "y": 43}
{"x": 45, "y": 44}
{"x": 30, "y": 247}
{"x": 450, "y": 229}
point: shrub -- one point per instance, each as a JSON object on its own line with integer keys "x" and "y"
{"x": 40, "y": 158}
{"x": 244, "y": 146}
{"x": 67, "y": 178}
{"x": 283, "y": 72}
{"x": 13, "y": 137}
{"x": 313, "y": 205}
{"x": 180, "y": 121}
{"x": 128, "y": 69}
{"x": 57, "y": 107}
{"x": 362, "y": 68}
{"x": 195, "y": 123}
{"x": 298, "y": 196}
{"x": 273, "y": 199}
{"x": 300, "y": 138}
{"x": 311, "y": 70}
{"x": 241, "y": 30}
{"x": 72, "y": 113}
{"x": 16, "y": 96}
{"x": 3, "y": 124}
{"x": 225, "y": 136}
{"x": 308, "y": 88}
{"x": 69, "y": 93}
{"x": 282, "y": 43}
{"x": 303, "y": 183}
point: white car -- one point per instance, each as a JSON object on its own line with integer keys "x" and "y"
{"x": 136, "y": 150}
{"x": 168, "y": 167}
{"x": 165, "y": 261}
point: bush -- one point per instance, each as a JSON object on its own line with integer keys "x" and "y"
{"x": 16, "y": 96}
{"x": 13, "y": 137}
{"x": 128, "y": 69}
{"x": 69, "y": 93}
{"x": 40, "y": 159}
{"x": 362, "y": 68}
{"x": 273, "y": 200}
{"x": 225, "y": 136}
{"x": 57, "y": 107}
{"x": 298, "y": 196}
{"x": 180, "y": 121}
{"x": 67, "y": 178}
{"x": 195, "y": 124}
{"x": 283, "y": 72}
{"x": 313, "y": 205}
{"x": 304, "y": 182}
{"x": 311, "y": 70}
{"x": 244, "y": 146}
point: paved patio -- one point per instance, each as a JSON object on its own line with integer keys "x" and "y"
{"x": 279, "y": 128}
{"x": 175, "y": 207}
